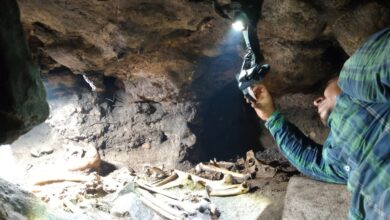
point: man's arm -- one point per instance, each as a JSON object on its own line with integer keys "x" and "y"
{"x": 366, "y": 74}
{"x": 301, "y": 151}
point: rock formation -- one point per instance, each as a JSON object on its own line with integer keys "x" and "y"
{"x": 163, "y": 41}
{"x": 23, "y": 99}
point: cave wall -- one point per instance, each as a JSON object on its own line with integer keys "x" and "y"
{"x": 23, "y": 98}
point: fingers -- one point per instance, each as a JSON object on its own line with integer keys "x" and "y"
{"x": 260, "y": 90}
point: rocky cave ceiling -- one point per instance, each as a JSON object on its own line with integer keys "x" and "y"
{"x": 159, "y": 47}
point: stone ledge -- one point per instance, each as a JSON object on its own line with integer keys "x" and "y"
{"x": 310, "y": 199}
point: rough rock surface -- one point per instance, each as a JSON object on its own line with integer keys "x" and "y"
{"x": 354, "y": 26}
{"x": 19, "y": 204}
{"x": 310, "y": 199}
{"x": 147, "y": 132}
{"x": 22, "y": 102}
{"x": 149, "y": 44}
{"x": 291, "y": 19}
{"x": 155, "y": 46}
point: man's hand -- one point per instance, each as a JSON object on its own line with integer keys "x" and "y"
{"x": 263, "y": 105}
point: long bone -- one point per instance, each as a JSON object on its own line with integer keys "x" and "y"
{"x": 158, "y": 205}
{"x": 180, "y": 178}
{"x": 156, "y": 190}
{"x": 239, "y": 189}
{"x": 205, "y": 167}
{"x": 224, "y": 187}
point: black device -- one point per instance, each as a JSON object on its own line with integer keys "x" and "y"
{"x": 245, "y": 16}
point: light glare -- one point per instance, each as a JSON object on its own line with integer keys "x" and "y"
{"x": 238, "y": 25}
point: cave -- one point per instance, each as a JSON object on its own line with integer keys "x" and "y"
{"x": 102, "y": 98}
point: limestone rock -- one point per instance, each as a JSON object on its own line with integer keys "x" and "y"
{"x": 310, "y": 199}
{"x": 23, "y": 99}
{"x": 353, "y": 27}
{"x": 290, "y": 19}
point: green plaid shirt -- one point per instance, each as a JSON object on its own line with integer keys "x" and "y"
{"x": 357, "y": 150}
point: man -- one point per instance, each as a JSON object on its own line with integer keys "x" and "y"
{"x": 356, "y": 107}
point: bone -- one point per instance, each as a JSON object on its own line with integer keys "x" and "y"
{"x": 204, "y": 167}
{"x": 61, "y": 177}
{"x": 227, "y": 180}
{"x": 156, "y": 172}
{"x": 159, "y": 206}
{"x": 260, "y": 169}
{"x": 224, "y": 187}
{"x": 156, "y": 190}
{"x": 224, "y": 164}
{"x": 91, "y": 160}
{"x": 178, "y": 178}
{"x": 237, "y": 190}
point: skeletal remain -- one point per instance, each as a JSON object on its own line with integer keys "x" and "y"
{"x": 204, "y": 167}
{"x": 158, "y": 205}
{"x": 224, "y": 164}
{"x": 156, "y": 172}
{"x": 178, "y": 178}
{"x": 62, "y": 177}
{"x": 254, "y": 166}
{"x": 237, "y": 190}
{"x": 156, "y": 190}
{"x": 90, "y": 159}
{"x": 169, "y": 206}
{"x": 220, "y": 187}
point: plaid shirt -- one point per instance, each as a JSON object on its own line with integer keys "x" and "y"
{"x": 357, "y": 150}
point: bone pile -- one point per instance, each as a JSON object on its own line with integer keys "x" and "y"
{"x": 171, "y": 206}
{"x": 156, "y": 188}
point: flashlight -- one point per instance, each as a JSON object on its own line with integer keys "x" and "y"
{"x": 238, "y": 25}
{"x": 245, "y": 16}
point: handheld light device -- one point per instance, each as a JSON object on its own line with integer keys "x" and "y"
{"x": 245, "y": 16}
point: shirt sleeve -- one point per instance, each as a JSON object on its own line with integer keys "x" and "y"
{"x": 301, "y": 151}
{"x": 366, "y": 74}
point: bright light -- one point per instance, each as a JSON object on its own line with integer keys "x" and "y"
{"x": 238, "y": 25}
{"x": 7, "y": 163}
